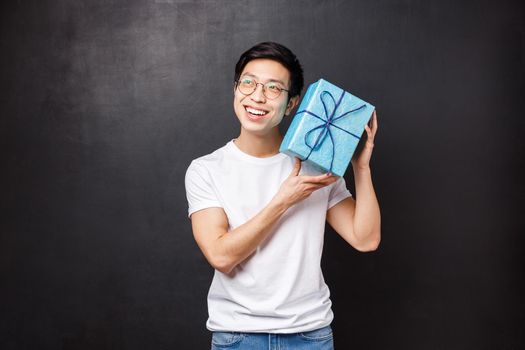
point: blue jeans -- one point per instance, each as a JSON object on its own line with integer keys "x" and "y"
{"x": 319, "y": 339}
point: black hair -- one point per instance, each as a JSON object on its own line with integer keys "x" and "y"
{"x": 279, "y": 53}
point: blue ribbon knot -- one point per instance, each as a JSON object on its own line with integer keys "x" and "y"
{"x": 329, "y": 121}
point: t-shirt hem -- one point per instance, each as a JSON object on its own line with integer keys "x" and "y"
{"x": 272, "y": 331}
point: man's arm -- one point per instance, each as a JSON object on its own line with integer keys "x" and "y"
{"x": 226, "y": 249}
{"x": 359, "y": 222}
{"x": 223, "y": 249}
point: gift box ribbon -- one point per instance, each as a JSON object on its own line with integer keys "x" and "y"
{"x": 329, "y": 121}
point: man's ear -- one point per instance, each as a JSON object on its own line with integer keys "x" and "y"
{"x": 291, "y": 105}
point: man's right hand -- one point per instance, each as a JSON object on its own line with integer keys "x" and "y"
{"x": 298, "y": 187}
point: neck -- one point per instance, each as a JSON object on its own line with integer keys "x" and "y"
{"x": 261, "y": 146}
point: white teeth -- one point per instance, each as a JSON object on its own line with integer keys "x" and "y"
{"x": 255, "y": 111}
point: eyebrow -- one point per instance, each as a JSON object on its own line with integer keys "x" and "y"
{"x": 272, "y": 80}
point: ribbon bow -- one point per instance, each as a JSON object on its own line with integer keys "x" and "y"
{"x": 325, "y": 127}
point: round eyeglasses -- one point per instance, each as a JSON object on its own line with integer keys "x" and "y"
{"x": 271, "y": 90}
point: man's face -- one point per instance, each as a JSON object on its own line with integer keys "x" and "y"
{"x": 257, "y": 113}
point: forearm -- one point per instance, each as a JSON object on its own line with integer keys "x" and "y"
{"x": 367, "y": 217}
{"x": 239, "y": 243}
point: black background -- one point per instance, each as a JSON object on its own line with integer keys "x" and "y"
{"x": 105, "y": 103}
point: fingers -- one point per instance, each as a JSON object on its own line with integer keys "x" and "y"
{"x": 371, "y": 128}
{"x": 370, "y": 138}
{"x": 315, "y": 186}
{"x": 368, "y": 131}
{"x": 316, "y": 178}
{"x": 323, "y": 180}
{"x": 374, "y": 123}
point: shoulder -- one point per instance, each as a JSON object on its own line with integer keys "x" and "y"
{"x": 207, "y": 162}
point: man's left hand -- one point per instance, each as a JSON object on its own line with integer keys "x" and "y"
{"x": 362, "y": 160}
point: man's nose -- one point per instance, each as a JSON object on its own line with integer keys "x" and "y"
{"x": 258, "y": 94}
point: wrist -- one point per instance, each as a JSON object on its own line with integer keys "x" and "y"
{"x": 362, "y": 170}
{"x": 278, "y": 204}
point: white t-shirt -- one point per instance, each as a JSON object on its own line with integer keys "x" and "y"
{"x": 280, "y": 288}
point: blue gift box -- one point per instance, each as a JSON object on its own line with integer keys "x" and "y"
{"x": 327, "y": 127}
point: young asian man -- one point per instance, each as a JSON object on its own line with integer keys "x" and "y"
{"x": 259, "y": 216}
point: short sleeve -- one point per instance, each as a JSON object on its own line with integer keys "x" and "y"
{"x": 199, "y": 189}
{"x": 338, "y": 192}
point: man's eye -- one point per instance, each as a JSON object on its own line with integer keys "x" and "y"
{"x": 247, "y": 81}
{"x": 273, "y": 87}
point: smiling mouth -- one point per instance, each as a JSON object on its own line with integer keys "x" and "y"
{"x": 255, "y": 113}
